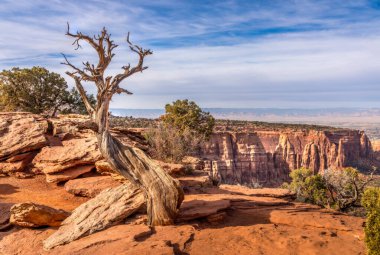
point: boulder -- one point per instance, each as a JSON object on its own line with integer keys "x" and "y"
{"x": 34, "y": 215}
{"x": 72, "y": 153}
{"x": 108, "y": 208}
{"x": 195, "y": 209}
{"x": 91, "y": 186}
{"x": 20, "y": 133}
{"x": 68, "y": 174}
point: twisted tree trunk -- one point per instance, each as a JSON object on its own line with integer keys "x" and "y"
{"x": 163, "y": 194}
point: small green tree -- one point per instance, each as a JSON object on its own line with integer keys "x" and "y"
{"x": 185, "y": 114}
{"x": 371, "y": 203}
{"x": 34, "y": 90}
{"x": 38, "y": 90}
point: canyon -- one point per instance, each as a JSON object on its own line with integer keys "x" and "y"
{"x": 65, "y": 148}
{"x": 51, "y": 168}
{"x": 266, "y": 157}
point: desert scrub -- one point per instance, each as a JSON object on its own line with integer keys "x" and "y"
{"x": 308, "y": 187}
{"x": 371, "y": 203}
{"x": 338, "y": 189}
{"x": 180, "y": 132}
{"x": 170, "y": 145}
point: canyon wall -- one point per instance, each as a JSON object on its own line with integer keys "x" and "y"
{"x": 66, "y": 147}
{"x": 267, "y": 157}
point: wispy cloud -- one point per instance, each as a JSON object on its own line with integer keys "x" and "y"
{"x": 299, "y": 53}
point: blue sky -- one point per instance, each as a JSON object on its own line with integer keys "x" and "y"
{"x": 285, "y": 54}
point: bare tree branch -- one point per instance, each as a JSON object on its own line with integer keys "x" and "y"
{"x": 128, "y": 71}
{"x": 82, "y": 93}
{"x": 82, "y": 73}
{"x": 103, "y": 45}
{"x": 121, "y": 90}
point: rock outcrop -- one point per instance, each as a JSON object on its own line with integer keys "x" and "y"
{"x": 20, "y": 133}
{"x": 68, "y": 174}
{"x": 74, "y": 152}
{"x": 21, "y": 136}
{"x": 66, "y": 147}
{"x": 267, "y": 157}
{"x": 34, "y": 215}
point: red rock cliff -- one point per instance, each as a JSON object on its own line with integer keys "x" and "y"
{"x": 267, "y": 157}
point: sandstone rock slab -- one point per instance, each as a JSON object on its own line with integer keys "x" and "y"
{"x": 68, "y": 174}
{"x": 262, "y": 192}
{"x": 91, "y": 186}
{"x": 195, "y": 209}
{"x": 17, "y": 163}
{"x": 36, "y": 215}
{"x": 20, "y": 133}
{"x": 108, "y": 208}
{"x": 195, "y": 181}
{"x": 72, "y": 153}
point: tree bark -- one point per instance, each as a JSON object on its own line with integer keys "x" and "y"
{"x": 163, "y": 194}
{"x": 108, "y": 208}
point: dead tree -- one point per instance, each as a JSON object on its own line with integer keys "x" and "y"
{"x": 163, "y": 193}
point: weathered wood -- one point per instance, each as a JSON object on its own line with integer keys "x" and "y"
{"x": 163, "y": 194}
{"x": 108, "y": 208}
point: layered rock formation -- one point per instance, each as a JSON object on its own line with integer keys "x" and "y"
{"x": 66, "y": 148}
{"x": 21, "y": 136}
{"x": 267, "y": 157}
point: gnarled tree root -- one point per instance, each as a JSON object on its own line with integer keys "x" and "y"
{"x": 107, "y": 209}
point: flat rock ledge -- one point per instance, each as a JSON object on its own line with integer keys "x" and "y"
{"x": 195, "y": 209}
{"x": 110, "y": 207}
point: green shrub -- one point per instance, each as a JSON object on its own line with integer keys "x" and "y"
{"x": 187, "y": 115}
{"x": 308, "y": 187}
{"x": 38, "y": 90}
{"x": 371, "y": 202}
{"x": 182, "y": 130}
{"x": 346, "y": 187}
{"x": 340, "y": 189}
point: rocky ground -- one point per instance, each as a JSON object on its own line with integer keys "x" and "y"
{"x": 57, "y": 193}
{"x": 228, "y": 220}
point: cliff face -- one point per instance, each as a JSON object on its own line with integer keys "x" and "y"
{"x": 267, "y": 157}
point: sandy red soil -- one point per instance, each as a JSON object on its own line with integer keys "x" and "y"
{"x": 255, "y": 224}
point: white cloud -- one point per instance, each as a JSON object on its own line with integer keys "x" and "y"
{"x": 279, "y": 69}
